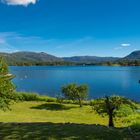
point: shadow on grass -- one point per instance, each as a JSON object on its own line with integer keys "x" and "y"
{"x": 134, "y": 130}
{"x": 59, "y": 131}
{"x": 53, "y": 106}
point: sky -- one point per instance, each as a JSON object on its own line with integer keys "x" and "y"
{"x": 70, "y": 27}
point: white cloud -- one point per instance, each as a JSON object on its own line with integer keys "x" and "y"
{"x": 19, "y": 2}
{"x": 125, "y": 45}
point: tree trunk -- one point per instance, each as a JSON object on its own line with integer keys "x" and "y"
{"x": 80, "y": 102}
{"x": 111, "y": 123}
{"x": 110, "y": 111}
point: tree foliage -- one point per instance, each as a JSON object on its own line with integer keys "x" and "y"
{"x": 110, "y": 105}
{"x": 75, "y": 92}
{"x": 6, "y": 86}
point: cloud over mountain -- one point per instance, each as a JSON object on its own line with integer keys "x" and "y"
{"x": 19, "y": 2}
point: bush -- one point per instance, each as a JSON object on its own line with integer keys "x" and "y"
{"x": 124, "y": 111}
{"x": 86, "y": 102}
{"x": 60, "y": 99}
{"x": 68, "y": 101}
{"x": 27, "y": 96}
{"x": 51, "y": 99}
{"x": 24, "y": 96}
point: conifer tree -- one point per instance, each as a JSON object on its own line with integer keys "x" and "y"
{"x": 6, "y": 86}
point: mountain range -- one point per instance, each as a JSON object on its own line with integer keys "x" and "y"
{"x": 89, "y": 59}
{"x": 42, "y": 57}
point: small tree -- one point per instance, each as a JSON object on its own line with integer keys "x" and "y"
{"x": 6, "y": 86}
{"x": 75, "y": 92}
{"x": 110, "y": 105}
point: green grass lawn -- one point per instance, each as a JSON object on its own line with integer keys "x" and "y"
{"x": 34, "y": 111}
{"x": 67, "y": 121}
{"x": 51, "y": 112}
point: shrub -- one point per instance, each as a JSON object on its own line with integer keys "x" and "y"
{"x": 51, "y": 99}
{"x": 68, "y": 101}
{"x": 24, "y": 96}
{"x": 60, "y": 99}
{"x": 124, "y": 111}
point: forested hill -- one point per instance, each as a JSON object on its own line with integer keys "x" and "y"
{"x": 133, "y": 56}
{"x": 42, "y": 58}
{"x": 29, "y": 58}
{"x": 89, "y": 59}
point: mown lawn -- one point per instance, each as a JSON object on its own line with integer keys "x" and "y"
{"x": 34, "y": 111}
{"x": 51, "y": 112}
{"x": 66, "y": 122}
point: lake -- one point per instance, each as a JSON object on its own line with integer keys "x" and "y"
{"x": 102, "y": 80}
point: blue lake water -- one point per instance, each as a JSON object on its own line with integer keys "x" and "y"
{"x": 102, "y": 80}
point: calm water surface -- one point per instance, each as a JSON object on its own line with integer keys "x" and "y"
{"x": 102, "y": 80}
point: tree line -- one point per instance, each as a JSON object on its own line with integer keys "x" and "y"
{"x": 120, "y": 62}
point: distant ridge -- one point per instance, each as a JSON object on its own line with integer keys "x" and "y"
{"x": 90, "y": 59}
{"x": 42, "y": 58}
{"x": 133, "y": 56}
{"x": 29, "y": 57}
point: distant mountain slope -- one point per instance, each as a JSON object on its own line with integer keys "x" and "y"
{"x": 89, "y": 59}
{"x": 133, "y": 56}
{"x": 29, "y": 57}
{"x": 34, "y": 58}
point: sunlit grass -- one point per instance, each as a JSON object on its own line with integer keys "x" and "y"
{"x": 34, "y": 111}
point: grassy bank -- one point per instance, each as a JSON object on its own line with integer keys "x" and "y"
{"x": 40, "y": 111}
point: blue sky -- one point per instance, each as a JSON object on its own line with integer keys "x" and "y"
{"x": 70, "y": 27}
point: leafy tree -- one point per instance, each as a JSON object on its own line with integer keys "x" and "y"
{"x": 6, "y": 86}
{"x": 110, "y": 105}
{"x": 75, "y": 92}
